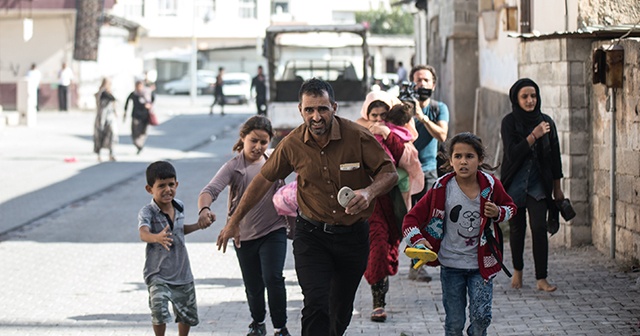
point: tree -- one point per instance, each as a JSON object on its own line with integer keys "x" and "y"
{"x": 382, "y": 22}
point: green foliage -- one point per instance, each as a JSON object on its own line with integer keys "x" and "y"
{"x": 382, "y": 22}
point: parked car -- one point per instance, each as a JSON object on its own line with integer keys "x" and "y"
{"x": 204, "y": 84}
{"x": 387, "y": 82}
{"x": 237, "y": 87}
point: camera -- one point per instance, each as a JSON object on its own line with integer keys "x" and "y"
{"x": 408, "y": 91}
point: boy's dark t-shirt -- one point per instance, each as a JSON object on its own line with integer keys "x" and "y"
{"x": 171, "y": 266}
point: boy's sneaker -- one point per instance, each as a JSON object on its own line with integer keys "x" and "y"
{"x": 257, "y": 329}
{"x": 282, "y": 332}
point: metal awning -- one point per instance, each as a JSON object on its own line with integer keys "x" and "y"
{"x": 591, "y": 32}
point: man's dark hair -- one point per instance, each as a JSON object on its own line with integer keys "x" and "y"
{"x": 429, "y": 68}
{"x": 316, "y": 87}
{"x": 159, "y": 170}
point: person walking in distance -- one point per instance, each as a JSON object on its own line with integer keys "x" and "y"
{"x": 218, "y": 92}
{"x": 34, "y": 76}
{"x": 331, "y": 243}
{"x": 531, "y": 173}
{"x": 142, "y": 102}
{"x": 264, "y": 233}
{"x": 259, "y": 83}
{"x": 432, "y": 124}
{"x": 105, "y": 128}
{"x": 65, "y": 77}
{"x": 167, "y": 271}
{"x": 402, "y": 73}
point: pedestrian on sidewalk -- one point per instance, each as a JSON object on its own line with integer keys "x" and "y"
{"x": 34, "y": 76}
{"x": 263, "y": 232}
{"x": 218, "y": 92}
{"x": 105, "y": 127}
{"x": 259, "y": 83}
{"x": 65, "y": 78}
{"x": 331, "y": 243}
{"x": 402, "y": 73}
{"x": 454, "y": 220}
{"x": 531, "y": 173}
{"x": 142, "y": 103}
{"x": 167, "y": 271}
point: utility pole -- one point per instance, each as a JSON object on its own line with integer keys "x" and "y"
{"x": 193, "y": 68}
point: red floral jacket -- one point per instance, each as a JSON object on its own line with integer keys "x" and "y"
{"x": 427, "y": 219}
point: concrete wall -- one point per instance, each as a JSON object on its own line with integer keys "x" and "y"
{"x": 51, "y": 44}
{"x": 627, "y": 165}
{"x": 453, "y": 50}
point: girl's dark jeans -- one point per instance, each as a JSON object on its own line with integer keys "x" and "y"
{"x": 261, "y": 261}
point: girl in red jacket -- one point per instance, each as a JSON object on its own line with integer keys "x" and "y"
{"x": 451, "y": 220}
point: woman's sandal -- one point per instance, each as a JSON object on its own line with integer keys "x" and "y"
{"x": 378, "y": 315}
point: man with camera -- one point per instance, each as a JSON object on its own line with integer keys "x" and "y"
{"x": 432, "y": 124}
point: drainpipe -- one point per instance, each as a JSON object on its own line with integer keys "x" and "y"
{"x": 566, "y": 15}
{"x": 612, "y": 171}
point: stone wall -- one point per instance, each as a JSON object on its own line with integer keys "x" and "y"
{"x": 561, "y": 67}
{"x": 627, "y": 165}
{"x": 607, "y": 12}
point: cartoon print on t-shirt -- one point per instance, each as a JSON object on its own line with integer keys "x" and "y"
{"x": 469, "y": 223}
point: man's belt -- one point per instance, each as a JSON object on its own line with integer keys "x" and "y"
{"x": 326, "y": 227}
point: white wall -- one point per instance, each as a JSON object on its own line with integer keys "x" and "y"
{"x": 549, "y": 15}
{"x": 498, "y": 58}
{"x": 116, "y": 61}
{"x": 51, "y": 44}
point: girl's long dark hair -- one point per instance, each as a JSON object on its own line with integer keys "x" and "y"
{"x": 254, "y": 123}
{"x": 471, "y": 140}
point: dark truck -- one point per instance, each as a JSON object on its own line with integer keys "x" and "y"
{"x": 335, "y": 53}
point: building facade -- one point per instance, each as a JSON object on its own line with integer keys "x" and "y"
{"x": 171, "y": 35}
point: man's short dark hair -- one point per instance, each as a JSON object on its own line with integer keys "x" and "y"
{"x": 316, "y": 87}
{"x": 159, "y": 170}
{"x": 429, "y": 68}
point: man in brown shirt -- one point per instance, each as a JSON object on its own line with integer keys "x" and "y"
{"x": 331, "y": 243}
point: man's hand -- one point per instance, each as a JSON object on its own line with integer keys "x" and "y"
{"x": 206, "y": 218}
{"x": 359, "y": 203}
{"x": 163, "y": 238}
{"x": 229, "y": 231}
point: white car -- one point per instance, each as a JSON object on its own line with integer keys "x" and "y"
{"x": 237, "y": 87}
{"x": 204, "y": 84}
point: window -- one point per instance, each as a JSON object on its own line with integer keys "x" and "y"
{"x": 206, "y": 9}
{"x": 167, "y": 7}
{"x": 280, "y": 7}
{"x": 247, "y": 9}
{"x": 525, "y": 16}
{"x": 133, "y": 8}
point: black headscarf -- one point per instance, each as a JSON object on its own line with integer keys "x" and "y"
{"x": 528, "y": 119}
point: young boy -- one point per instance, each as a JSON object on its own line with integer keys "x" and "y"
{"x": 167, "y": 272}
